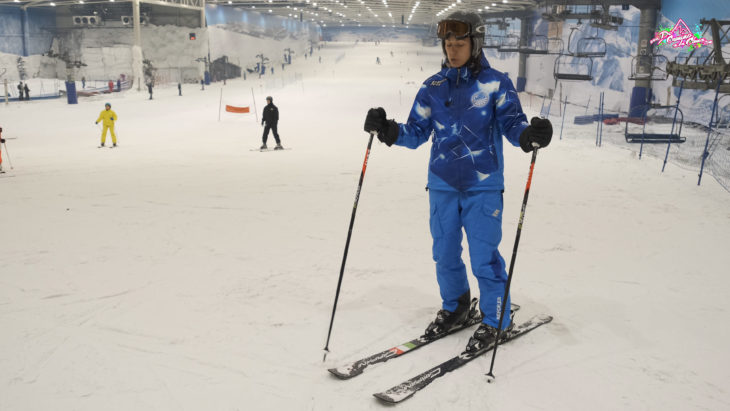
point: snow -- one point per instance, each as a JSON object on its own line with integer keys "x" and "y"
{"x": 183, "y": 271}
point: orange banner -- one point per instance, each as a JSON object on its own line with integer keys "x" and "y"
{"x": 234, "y": 109}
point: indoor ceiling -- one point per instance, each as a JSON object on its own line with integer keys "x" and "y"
{"x": 386, "y": 13}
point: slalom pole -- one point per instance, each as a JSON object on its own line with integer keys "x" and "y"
{"x": 220, "y": 103}
{"x": 562, "y": 123}
{"x": 7, "y": 154}
{"x": 347, "y": 243}
{"x": 255, "y": 110}
{"x": 490, "y": 374}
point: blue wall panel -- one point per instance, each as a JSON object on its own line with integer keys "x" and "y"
{"x": 692, "y": 11}
{"x": 40, "y": 29}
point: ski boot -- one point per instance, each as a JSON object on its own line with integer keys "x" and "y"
{"x": 484, "y": 336}
{"x": 447, "y": 320}
{"x": 263, "y": 147}
{"x": 114, "y": 145}
{"x": 278, "y": 147}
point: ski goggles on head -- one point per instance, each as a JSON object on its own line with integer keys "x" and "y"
{"x": 458, "y": 29}
{"x": 447, "y": 28}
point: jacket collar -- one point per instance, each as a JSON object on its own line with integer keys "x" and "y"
{"x": 463, "y": 73}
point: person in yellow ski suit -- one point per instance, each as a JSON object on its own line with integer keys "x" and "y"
{"x": 108, "y": 116}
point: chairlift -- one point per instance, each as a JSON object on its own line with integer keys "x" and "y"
{"x": 722, "y": 115}
{"x": 510, "y": 44}
{"x": 492, "y": 41}
{"x": 568, "y": 67}
{"x": 555, "y": 45}
{"x": 537, "y": 44}
{"x": 656, "y": 138}
{"x": 649, "y": 67}
{"x": 591, "y": 46}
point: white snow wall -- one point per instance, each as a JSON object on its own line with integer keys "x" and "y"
{"x": 243, "y": 34}
{"x": 107, "y": 51}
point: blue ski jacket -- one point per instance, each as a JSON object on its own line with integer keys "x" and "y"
{"x": 468, "y": 113}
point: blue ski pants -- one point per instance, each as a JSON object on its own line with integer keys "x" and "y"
{"x": 480, "y": 214}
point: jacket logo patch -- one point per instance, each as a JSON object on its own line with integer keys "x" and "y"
{"x": 438, "y": 83}
{"x": 479, "y": 99}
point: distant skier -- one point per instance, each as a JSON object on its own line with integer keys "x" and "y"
{"x": 179, "y": 89}
{"x": 119, "y": 85}
{"x": 470, "y": 108}
{"x": 27, "y": 91}
{"x": 20, "y": 91}
{"x": 270, "y": 119}
{"x": 83, "y": 82}
{"x": 149, "y": 88}
{"x": 111, "y": 86}
{"x": 377, "y": 60}
{"x": 108, "y": 116}
{"x": 2, "y": 141}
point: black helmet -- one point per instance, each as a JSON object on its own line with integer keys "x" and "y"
{"x": 476, "y": 32}
{"x": 269, "y": 99}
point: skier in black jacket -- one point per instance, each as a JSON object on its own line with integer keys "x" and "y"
{"x": 270, "y": 119}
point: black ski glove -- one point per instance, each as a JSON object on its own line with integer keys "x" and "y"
{"x": 2, "y": 140}
{"x": 387, "y": 129}
{"x": 539, "y": 131}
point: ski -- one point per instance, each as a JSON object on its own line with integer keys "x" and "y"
{"x": 263, "y": 150}
{"x": 356, "y": 368}
{"x": 407, "y": 388}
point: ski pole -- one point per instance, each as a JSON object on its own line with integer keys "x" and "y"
{"x": 347, "y": 243}
{"x": 7, "y": 154}
{"x": 535, "y": 146}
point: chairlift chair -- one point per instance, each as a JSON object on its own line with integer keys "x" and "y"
{"x": 649, "y": 67}
{"x": 568, "y": 67}
{"x": 510, "y": 44}
{"x": 555, "y": 45}
{"x": 537, "y": 44}
{"x": 492, "y": 41}
{"x": 656, "y": 138}
{"x": 591, "y": 47}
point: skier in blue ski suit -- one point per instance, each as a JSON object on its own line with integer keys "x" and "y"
{"x": 467, "y": 109}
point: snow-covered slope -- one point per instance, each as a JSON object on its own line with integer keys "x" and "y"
{"x": 184, "y": 271}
